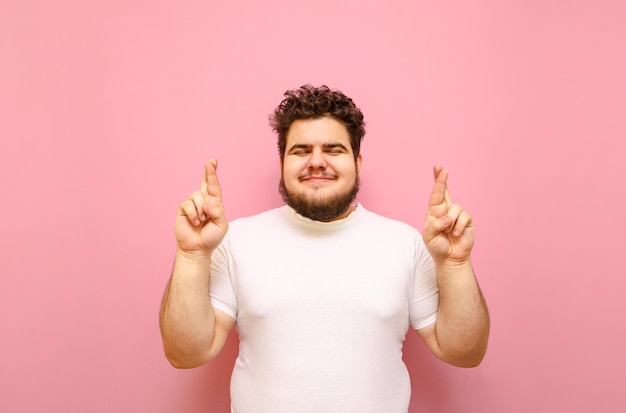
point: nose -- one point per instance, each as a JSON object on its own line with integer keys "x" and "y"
{"x": 317, "y": 160}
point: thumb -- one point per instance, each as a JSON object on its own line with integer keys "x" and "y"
{"x": 435, "y": 226}
{"x": 214, "y": 209}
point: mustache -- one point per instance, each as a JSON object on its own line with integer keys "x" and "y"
{"x": 322, "y": 175}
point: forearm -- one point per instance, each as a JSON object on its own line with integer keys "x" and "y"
{"x": 462, "y": 326}
{"x": 187, "y": 318}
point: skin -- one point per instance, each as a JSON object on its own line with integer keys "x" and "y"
{"x": 460, "y": 334}
{"x": 318, "y": 164}
{"x": 192, "y": 331}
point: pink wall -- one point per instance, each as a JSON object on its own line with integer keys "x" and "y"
{"x": 109, "y": 108}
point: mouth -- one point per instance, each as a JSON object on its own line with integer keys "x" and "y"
{"x": 317, "y": 178}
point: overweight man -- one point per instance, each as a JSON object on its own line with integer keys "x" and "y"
{"x": 321, "y": 290}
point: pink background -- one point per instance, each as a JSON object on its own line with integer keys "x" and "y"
{"x": 108, "y": 110}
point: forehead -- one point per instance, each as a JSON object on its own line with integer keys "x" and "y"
{"x": 318, "y": 131}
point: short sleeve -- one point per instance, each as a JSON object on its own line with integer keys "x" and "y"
{"x": 425, "y": 293}
{"x": 222, "y": 292}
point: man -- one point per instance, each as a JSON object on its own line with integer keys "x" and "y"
{"x": 321, "y": 290}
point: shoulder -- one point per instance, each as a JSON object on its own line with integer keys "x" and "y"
{"x": 388, "y": 225}
{"x": 272, "y": 218}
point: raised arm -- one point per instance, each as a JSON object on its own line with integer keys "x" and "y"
{"x": 460, "y": 334}
{"x": 192, "y": 331}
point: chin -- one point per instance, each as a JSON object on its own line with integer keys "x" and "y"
{"x": 320, "y": 204}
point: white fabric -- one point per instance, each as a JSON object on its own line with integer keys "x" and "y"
{"x": 322, "y": 310}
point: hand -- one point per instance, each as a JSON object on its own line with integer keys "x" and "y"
{"x": 200, "y": 222}
{"x": 448, "y": 230}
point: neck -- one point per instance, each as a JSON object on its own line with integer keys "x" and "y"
{"x": 350, "y": 209}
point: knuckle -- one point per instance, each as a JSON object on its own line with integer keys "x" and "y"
{"x": 198, "y": 199}
{"x": 190, "y": 212}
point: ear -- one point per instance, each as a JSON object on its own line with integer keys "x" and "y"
{"x": 359, "y": 162}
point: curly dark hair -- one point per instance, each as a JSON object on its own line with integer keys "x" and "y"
{"x": 309, "y": 102}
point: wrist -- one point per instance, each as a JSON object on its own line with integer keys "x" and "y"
{"x": 201, "y": 257}
{"x": 453, "y": 266}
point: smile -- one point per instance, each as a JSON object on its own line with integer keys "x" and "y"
{"x": 317, "y": 178}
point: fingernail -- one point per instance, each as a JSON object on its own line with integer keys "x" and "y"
{"x": 444, "y": 220}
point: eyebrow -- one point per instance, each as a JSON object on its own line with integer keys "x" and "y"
{"x": 325, "y": 146}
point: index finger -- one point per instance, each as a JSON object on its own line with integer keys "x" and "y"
{"x": 210, "y": 183}
{"x": 440, "y": 194}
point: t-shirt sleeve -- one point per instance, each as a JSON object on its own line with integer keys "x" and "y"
{"x": 221, "y": 288}
{"x": 425, "y": 293}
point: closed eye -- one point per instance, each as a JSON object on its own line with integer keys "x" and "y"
{"x": 330, "y": 148}
{"x": 335, "y": 149}
{"x": 300, "y": 150}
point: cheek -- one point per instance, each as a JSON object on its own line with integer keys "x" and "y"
{"x": 348, "y": 169}
{"x": 291, "y": 170}
{"x": 298, "y": 162}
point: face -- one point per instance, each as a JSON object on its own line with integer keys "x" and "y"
{"x": 320, "y": 177}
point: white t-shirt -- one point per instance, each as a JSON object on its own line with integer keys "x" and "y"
{"x": 322, "y": 310}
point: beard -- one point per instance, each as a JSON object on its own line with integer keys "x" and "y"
{"x": 322, "y": 209}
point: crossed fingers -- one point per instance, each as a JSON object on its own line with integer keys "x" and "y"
{"x": 450, "y": 216}
{"x": 206, "y": 202}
